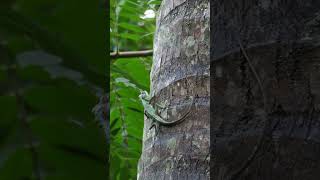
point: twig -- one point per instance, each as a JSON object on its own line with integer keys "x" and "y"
{"x": 259, "y": 144}
{"x": 131, "y": 54}
{"x": 29, "y": 137}
{"x": 22, "y": 113}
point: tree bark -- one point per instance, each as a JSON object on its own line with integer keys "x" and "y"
{"x": 180, "y": 69}
{"x": 277, "y": 138}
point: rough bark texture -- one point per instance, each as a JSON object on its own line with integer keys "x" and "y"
{"x": 181, "y": 68}
{"x": 282, "y": 41}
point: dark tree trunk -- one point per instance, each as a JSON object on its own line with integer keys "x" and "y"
{"x": 180, "y": 69}
{"x": 265, "y": 99}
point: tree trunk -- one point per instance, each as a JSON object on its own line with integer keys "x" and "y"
{"x": 180, "y": 69}
{"x": 266, "y": 96}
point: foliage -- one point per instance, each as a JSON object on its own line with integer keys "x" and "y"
{"x": 130, "y": 30}
{"x": 52, "y": 70}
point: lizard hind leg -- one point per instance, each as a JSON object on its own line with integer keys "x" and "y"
{"x": 155, "y": 125}
{"x": 162, "y": 109}
{"x": 156, "y": 128}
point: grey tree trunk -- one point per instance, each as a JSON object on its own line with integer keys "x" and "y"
{"x": 181, "y": 68}
{"x": 265, "y": 97}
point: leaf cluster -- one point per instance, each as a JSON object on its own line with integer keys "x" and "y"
{"x": 52, "y": 71}
{"x": 129, "y": 31}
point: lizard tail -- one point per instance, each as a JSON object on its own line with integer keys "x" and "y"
{"x": 188, "y": 111}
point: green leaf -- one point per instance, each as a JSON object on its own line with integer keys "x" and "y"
{"x": 8, "y": 110}
{"x": 22, "y": 25}
{"x": 64, "y": 99}
{"x": 18, "y": 165}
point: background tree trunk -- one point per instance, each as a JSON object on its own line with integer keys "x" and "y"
{"x": 278, "y": 139}
{"x": 180, "y": 69}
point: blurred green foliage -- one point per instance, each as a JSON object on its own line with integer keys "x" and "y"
{"x": 53, "y": 68}
{"x": 131, "y": 29}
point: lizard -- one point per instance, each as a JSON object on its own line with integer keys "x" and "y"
{"x": 151, "y": 112}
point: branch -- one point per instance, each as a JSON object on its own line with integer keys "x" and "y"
{"x": 131, "y": 54}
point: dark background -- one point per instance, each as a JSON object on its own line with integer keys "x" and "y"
{"x": 52, "y": 72}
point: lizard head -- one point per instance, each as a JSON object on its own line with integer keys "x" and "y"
{"x": 143, "y": 95}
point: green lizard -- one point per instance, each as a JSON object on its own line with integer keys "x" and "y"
{"x": 151, "y": 112}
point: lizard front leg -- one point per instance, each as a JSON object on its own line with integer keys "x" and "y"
{"x": 154, "y": 124}
{"x": 162, "y": 109}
